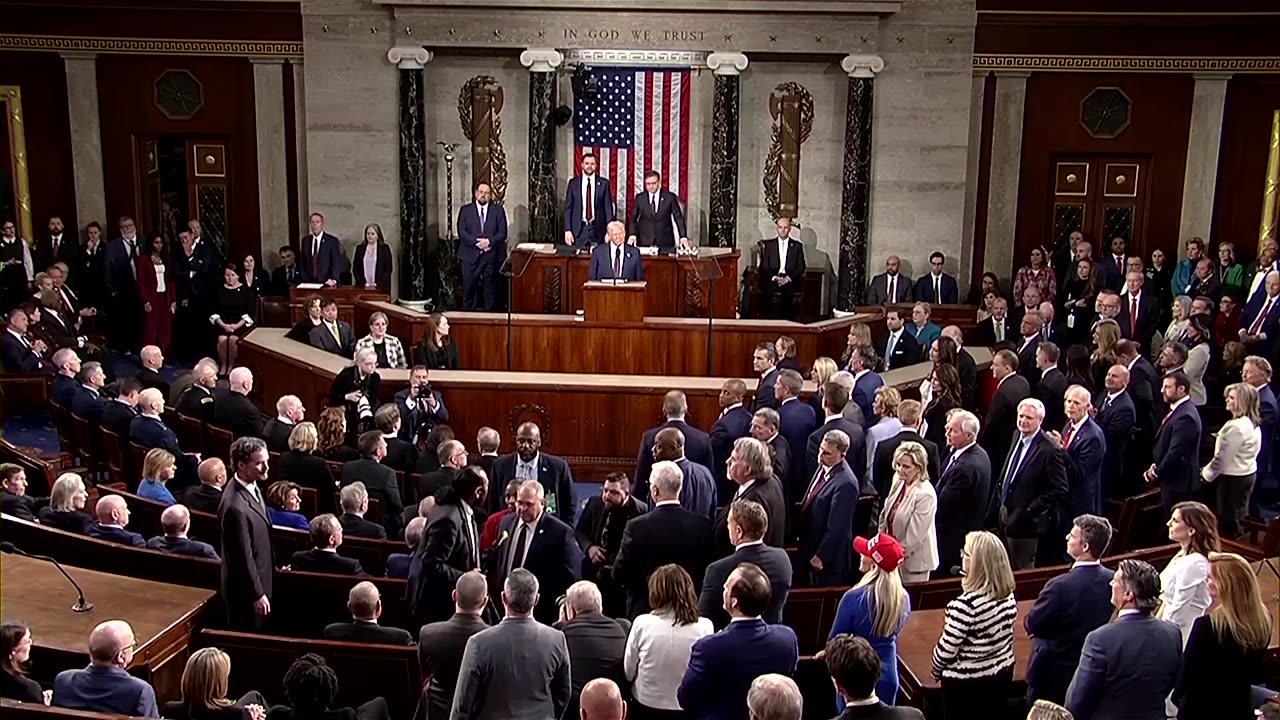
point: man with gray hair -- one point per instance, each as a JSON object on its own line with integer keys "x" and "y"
{"x": 765, "y": 427}
{"x": 517, "y": 670}
{"x": 751, "y": 471}
{"x": 197, "y": 400}
{"x": 398, "y": 564}
{"x": 1130, "y": 665}
{"x": 148, "y": 429}
{"x": 365, "y": 603}
{"x": 247, "y": 565}
{"x": 441, "y": 644}
{"x": 1033, "y": 483}
{"x": 353, "y": 499}
{"x": 697, "y": 444}
{"x": 175, "y": 521}
{"x": 667, "y": 534}
{"x": 234, "y": 410}
{"x": 106, "y": 686}
{"x": 596, "y": 643}
{"x": 826, "y": 516}
{"x": 88, "y": 402}
{"x": 289, "y": 412}
{"x": 534, "y": 539}
{"x": 774, "y": 697}
{"x": 323, "y": 557}
{"x": 152, "y": 362}
{"x": 964, "y": 489}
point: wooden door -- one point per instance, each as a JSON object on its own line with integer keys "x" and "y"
{"x": 149, "y": 190}
{"x": 1102, "y": 196}
{"x": 208, "y": 169}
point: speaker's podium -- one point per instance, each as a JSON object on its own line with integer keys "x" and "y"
{"x": 609, "y": 301}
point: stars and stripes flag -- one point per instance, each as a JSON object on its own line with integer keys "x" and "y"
{"x": 639, "y": 121}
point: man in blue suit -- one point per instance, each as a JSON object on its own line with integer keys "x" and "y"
{"x": 122, "y": 287}
{"x": 106, "y": 686}
{"x": 798, "y": 421}
{"x": 1128, "y": 667}
{"x": 937, "y": 288}
{"x": 321, "y": 257}
{"x": 1085, "y": 448}
{"x": 149, "y": 431}
{"x": 826, "y": 514}
{"x": 734, "y": 422}
{"x": 722, "y": 666}
{"x": 834, "y": 398}
{"x": 482, "y": 248}
{"x": 1116, "y": 417}
{"x": 698, "y": 493}
{"x": 697, "y": 444}
{"x": 616, "y": 260}
{"x": 176, "y": 521}
{"x": 113, "y": 515}
{"x": 862, "y": 363}
{"x": 534, "y": 539}
{"x": 1176, "y": 460}
{"x": 87, "y": 403}
{"x": 1257, "y": 372}
{"x": 588, "y": 206}
{"x": 1070, "y": 606}
{"x": 1260, "y": 321}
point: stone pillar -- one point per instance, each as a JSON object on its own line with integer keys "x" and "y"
{"x": 1201, "y": 178}
{"x": 542, "y": 64}
{"x": 855, "y": 195}
{"x": 299, "y": 101}
{"x": 273, "y": 164}
{"x": 972, "y": 169}
{"x": 86, "y": 138}
{"x": 414, "y": 278}
{"x": 727, "y": 67}
{"x": 1005, "y": 171}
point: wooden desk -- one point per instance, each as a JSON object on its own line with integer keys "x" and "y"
{"x": 163, "y": 617}
{"x": 552, "y": 284}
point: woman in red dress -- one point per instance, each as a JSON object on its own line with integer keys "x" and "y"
{"x": 155, "y": 284}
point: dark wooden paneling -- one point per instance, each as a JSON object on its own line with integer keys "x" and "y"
{"x": 167, "y": 19}
{"x": 126, "y": 91}
{"x": 1242, "y": 164}
{"x": 43, "y": 79}
{"x": 1108, "y": 33}
{"x": 983, "y": 190}
{"x": 1160, "y": 125}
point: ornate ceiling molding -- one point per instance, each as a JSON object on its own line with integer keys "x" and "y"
{"x": 1135, "y": 63}
{"x": 665, "y": 58}
{"x": 151, "y": 46}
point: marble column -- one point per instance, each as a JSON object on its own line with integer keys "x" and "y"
{"x": 86, "y": 138}
{"x": 299, "y": 101}
{"x": 1009, "y": 106}
{"x": 726, "y": 67}
{"x": 855, "y": 195}
{"x": 415, "y": 281}
{"x": 973, "y": 167}
{"x": 273, "y": 164}
{"x": 543, "y": 213}
{"x": 1201, "y": 179}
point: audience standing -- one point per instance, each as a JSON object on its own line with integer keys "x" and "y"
{"x": 876, "y": 609}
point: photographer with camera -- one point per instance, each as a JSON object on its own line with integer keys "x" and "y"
{"x": 421, "y": 408}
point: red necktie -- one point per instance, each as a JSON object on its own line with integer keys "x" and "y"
{"x": 591, "y": 201}
{"x": 817, "y": 485}
{"x": 1066, "y": 441}
{"x": 55, "y": 247}
{"x": 617, "y": 263}
{"x": 1262, "y": 316}
{"x": 1133, "y": 317}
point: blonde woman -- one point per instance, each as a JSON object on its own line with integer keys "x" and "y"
{"x": 885, "y": 407}
{"x": 1234, "y": 466}
{"x": 786, "y": 347}
{"x": 158, "y": 468}
{"x": 65, "y": 510}
{"x": 387, "y": 348}
{"x": 823, "y": 368}
{"x": 974, "y": 655}
{"x": 876, "y": 609}
{"x": 1226, "y": 647}
{"x": 909, "y": 512}
{"x": 204, "y": 692}
{"x": 302, "y": 465}
{"x": 1184, "y": 582}
{"x": 1177, "y": 329}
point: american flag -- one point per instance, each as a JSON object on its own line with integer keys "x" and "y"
{"x": 639, "y": 121}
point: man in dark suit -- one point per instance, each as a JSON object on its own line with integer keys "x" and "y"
{"x": 1143, "y": 388}
{"x": 421, "y": 407}
{"x": 747, "y": 523}
{"x": 326, "y": 536}
{"x": 890, "y": 286}
{"x": 963, "y": 488}
{"x": 287, "y": 274}
{"x": 766, "y": 427}
{"x": 441, "y": 643}
{"x": 826, "y": 515}
{"x": 16, "y": 500}
{"x": 1084, "y": 446}
{"x": 122, "y": 287}
{"x": 482, "y": 248}
{"x": 734, "y": 422}
{"x": 379, "y": 480}
{"x": 534, "y": 539}
{"x": 834, "y": 398}
{"x": 937, "y": 288}
{"x": 452, "y": 546}
{"x": 588, "y": 205}
{"x": 1260, "y": 321}
{"x": 113, "y": 515}
{"x": 289, "y": 412}
{"x": 1139, "y": 311}
{"x": 452, "y": 457}
{"x": 247, "y": 565}
{"x": 365, "y": 603}
{"x": 106, "y": 686}
{"x": 1051, "y": 384}
{"x": 1128, "y": 667}
{"x": 234, "y": 411}
{"x": 599, "y": 534}
{"x": 399, "y": 564}
{"x": 722, "y": 666}
{"x": 855, "y": 670}
{"x": 55, "y": 247}
{"x": 152, "y": 363}
{"x": 401, "y": 455}
{"x": 321, "y": 257}
{"x": 1001, "y": 420}
{"x": 66, "y": 366}
{"x": 1176, "y": 458}
{"x": 666, "y": 534}
{"x": 120, "y": 411}
{"x": 332, "y": 335}
{"x": 1070, "y": 606}
{"x": 652, "y": 215}
{"x": 997, "y": 328}
{"x": 900, "y": 347}
{"x": 615, "y": 259}
{"x": 1026, "y": 347}
{"x": 697, "y": 444}
{"x": 1115, "y": 418}
{"x": 88, "y": 402}
{"x": 764, "y": 360}
{"x": 798, "y": 421}
{"x": 528, "y": 462}
{"x": 909, "y": 413}
{"x": 353, "y": 500}
{"x": 1257, "y": 372}
{"x": 197, "y": 400}
{"x": 866, "y": 381}
{"x": 206, "y": 496}
{"x": 751, "y": 471}
{"x": 1033, "y": 486}
{"x": 597, "y": 643}
{"x": 176, "y": 521}
{"x": 698, "y": 493}
{"x": 781, "y": 272}
{"x": 23, "y": 354}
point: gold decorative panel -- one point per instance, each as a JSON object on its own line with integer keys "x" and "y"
{"x": 1071, "y": 178}
{"x": 11, "y": 99}
{"x": 209, "y": 160}
{"x": 1121, "y": 180}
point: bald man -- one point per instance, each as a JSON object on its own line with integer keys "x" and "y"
{"x": 176, "y": 521}
{"x": 528, "y": 462}
{"x": 206, "y": 496}
{"x": 234, "y": 411}
{"x": 105, "y": 685}
{"x": 152, "y": 363}
{"x": 113, "y": 516}
{"x": 365, "y": 603}
{"x": 441, "y": 644}
{"x": 1116, "y": 416}
{"x": 149, "y": 430}
{"x": 602, "y": 700}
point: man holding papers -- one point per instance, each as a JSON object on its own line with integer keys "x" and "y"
{"x": 616, "y": 260}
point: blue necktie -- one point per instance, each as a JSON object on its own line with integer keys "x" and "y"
{"x": 1013, "y": 469}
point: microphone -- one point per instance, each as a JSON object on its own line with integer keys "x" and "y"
{"x": 81, "y": 605}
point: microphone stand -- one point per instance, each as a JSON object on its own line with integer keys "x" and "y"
{"x": 81, "y": 605}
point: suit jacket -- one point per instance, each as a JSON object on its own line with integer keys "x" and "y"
{"x": 117, "y": 535}
{"x": 196, "y": 402}
{"x": 432, "y": 482}
{"x": 1116, "y": 419}
{"x": 1270, "y": 328}
{"x": 1070, "y": 606}
{"x": 401, "y": 455}
{"x": 906, "y": 351}
{"x": 698, "y": 493}
{"x": 64, "y": 386}
{"x": 552, "y": 555}
{"x": 764, "y": 391}
{"x": 882, "y": 471}
{"x": 1001, "y": 423}
{"x": 321, "y": 337}
{"x": 1051, "y": 389}
{"x": 864, "y": 395}
{"x": 201, "y": 498}
{"x": 602, "y": 257}
{"x": 964, "y": 490}
{"x": 43, "y": 255}
{"x": 797, "y": 423}
{"x": 553, "y": 473}
{"x": 88, "y": 405}
{"x": 381, "y": 270}
{"x": 879, "y": 711}
{"x": 1032, "y": 496}
{"x": 22, "y": 506}
{"x": 276, "y": 433}
{"x": 731, "y": 425}
{"x": 924, "y": 290}
{"x": 247, "y": 565}
{"x": 1085, "y": 451}
{"x": 237, "y": 413}
{"x": 182, "y": 546}
{"x": 515, "y": 670}
{"x": 826, "y": 525}
{"x": 325, "y": 266}
{"x": 118, "y": 265}
{"x": 769, "y": 494}
{"x": 783, "y": 467}
{"x": 356, "y": 526}
{"x": 1269, "y": 409}
{"x": 153, "y": 379}
{"x": 1026, "y": 349}
{"x": 776, "y": 566}
{"x": 381, "y": 483}
{"x": 1148, "y": 318}
{"x": 1127, "y": 669}
{"x": 324, "y": 561}
{"x": 650, "y": 228}
{"x": 986, "y": 332}
{"x": 722, "y": 667}
{"x": 447, "y": 553}
{"x": 770, "y": 267}
{"x": 912, "y": 524}
{"x": 283, "y": 278}
{"x": 440, "y": 648}
{"x": 367, "y": 631}
{"x": 151, "y": 432}
{"x": 878, "y": 290}
{"x": 597, "y": 644}
{"x": 856, "y": 456}
{"x": 1177, "y": 450}
{"x": 575, "y": 212}
{"x": 664, "y": 535}
{"x": 697, "y": 447}
{"x": 470, "y": 231}
{"x": 21, "y": 358}
{"x": 105, "y": 689}
{"x": 309, "y": 470}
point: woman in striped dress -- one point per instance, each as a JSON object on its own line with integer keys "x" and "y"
{"x": 974, "y": 657}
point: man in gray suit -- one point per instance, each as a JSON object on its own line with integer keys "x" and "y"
{"x": 441, "y": 644}
{"x": 517, "y": 670}
{"x": 889, "y": 286}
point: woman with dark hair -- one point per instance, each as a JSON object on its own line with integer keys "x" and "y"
{"x": 284, "y": 505}
{"x": 371, "y": 262}
{"x": 232, "y": 316}
{"x": 1036, "y": 274}
{"x": 1184, "y": 582}
{"x": 1077, "y": 298}
{"x": 437, "y": 350}
{"x": 660, "y": 642}
{"x": 1079, "y": 371}
{"x": 988, "y": 285}
{"x": 331, "y": 432}
{"x": 1199, "y": 341}
{"x": 945, "y": 398}
{"x": 159, "y": 300}
{"x": 15, "y": 650}
{"x": 428, "y": 459}
{"x": 311, "y": 686}
{"x": 254, "y": 277}
{"x": 301, "y": 330}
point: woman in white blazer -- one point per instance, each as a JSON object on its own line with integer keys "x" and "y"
{"x": 1184, "y": 582}
{"x": 1234, "y": 466}
{"x": 909, "y": 513}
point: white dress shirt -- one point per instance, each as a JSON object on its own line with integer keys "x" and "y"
{"x": 783, "y": 244}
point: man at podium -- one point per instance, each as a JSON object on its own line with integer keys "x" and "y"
{"x": 616, "y": 260}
